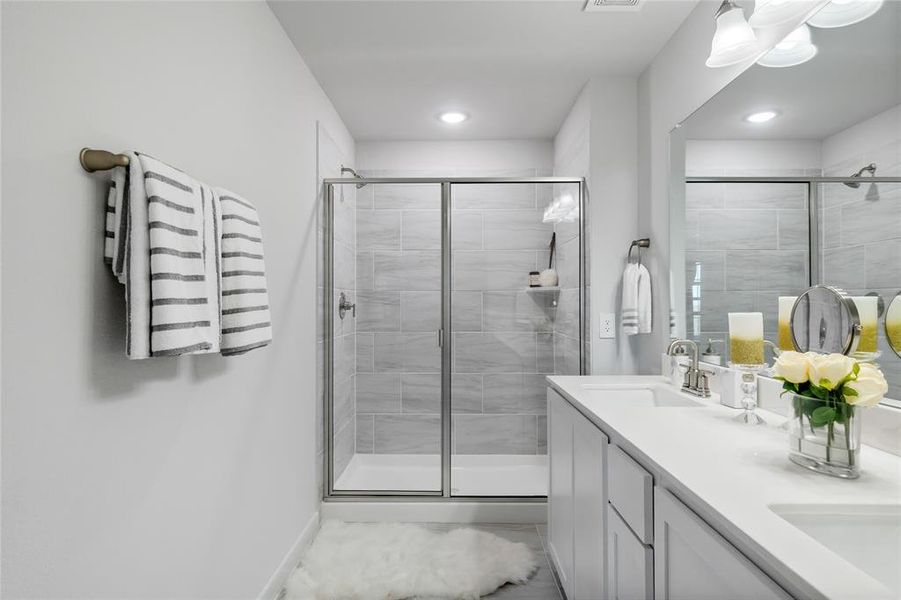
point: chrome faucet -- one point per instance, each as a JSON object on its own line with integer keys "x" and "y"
{"x": 696, "y": 379}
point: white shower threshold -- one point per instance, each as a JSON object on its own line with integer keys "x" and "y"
{"x": 471, "y": 474}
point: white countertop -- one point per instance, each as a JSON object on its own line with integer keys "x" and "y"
{"x": 731, "y": 473}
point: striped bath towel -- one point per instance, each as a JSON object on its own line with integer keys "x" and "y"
{"x": 183, "y": 275}
{"x": 245, "y": 300}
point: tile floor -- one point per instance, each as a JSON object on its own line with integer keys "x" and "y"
{"x": 543, "y": 584}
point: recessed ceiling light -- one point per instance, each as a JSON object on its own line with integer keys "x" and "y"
{"x": 762, "y": 116}
{"x": 453, "y": 117}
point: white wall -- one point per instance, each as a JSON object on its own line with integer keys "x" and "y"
{"x": 878, "y": 140}
{"x": 598, "y": 141}
{"x": 165, "y": 478}
{"x": 443, "y": 159}
{"x": 676, "y": 84}
{"x": 712, "y": 158}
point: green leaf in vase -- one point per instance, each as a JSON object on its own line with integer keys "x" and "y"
{"x": 822, "y": 416}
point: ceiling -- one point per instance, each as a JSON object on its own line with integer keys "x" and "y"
{"x": 855, "y": 75}
{"x": 390, "y": 67}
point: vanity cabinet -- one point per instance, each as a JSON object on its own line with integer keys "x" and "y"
{"x": 693, "y": 562}
{"x": 576, "y": 499}
{"x": 642, "y": 544}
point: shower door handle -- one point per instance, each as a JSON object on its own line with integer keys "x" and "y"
{"x": 441, "y": 338}
{"x": 345, "y": 305}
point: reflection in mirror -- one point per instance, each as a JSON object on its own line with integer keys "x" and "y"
{"x": 893, "y": 324}
{"x": 825, "y": 320}
{"x": 764, "y": 206}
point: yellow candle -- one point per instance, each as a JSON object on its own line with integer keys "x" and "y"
{"x": 786, "y": 303}
{"x": 746, "y": 338}
{"x": 867, "y": 310}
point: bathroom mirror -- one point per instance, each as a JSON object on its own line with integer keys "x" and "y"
{"x": 825, "y": 320}
{"x": 893, "y": 324}
{"x": 790, "y": 178}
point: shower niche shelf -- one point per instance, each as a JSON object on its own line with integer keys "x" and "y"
{"x": 547, "y": 293}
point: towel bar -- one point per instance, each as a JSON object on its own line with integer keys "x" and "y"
{"x": 640, "y": 243}
{"x": 100, "y": 160}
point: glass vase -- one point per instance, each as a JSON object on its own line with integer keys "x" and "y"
{"x": 824, "y": 436}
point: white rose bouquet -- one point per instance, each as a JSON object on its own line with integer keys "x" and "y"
{"x": 833, "y": 382}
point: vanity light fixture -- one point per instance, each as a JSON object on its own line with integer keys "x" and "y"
{"x": 770, "y": 13}
{"x": 840, "y": 13}
{"x": 762, "y": 116}
{"x": 453, "y": 117}
{"x": 794, "y": 49}
{"x": 733, "y": 41}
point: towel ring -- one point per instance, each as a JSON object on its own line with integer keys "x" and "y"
{"x": 640, "y": 243}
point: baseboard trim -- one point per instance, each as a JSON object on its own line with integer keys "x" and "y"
{"x": 276, "y": 583}
{"x": 436, "y": 512}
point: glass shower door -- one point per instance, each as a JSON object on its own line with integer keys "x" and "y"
{"x": 386, "y": 389}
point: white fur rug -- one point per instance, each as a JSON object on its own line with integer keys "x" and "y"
{"x": 392, "y": 561}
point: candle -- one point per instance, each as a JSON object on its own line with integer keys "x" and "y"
{"x": 746, "y": 338}
{"x": 868, "y": 311}
{"x": 786, "y": 303}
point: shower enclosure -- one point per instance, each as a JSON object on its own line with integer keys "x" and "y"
{"x": 437, "y": 348}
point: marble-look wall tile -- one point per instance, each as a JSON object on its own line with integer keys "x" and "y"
{"x": 466, "y": 393}
{"x": 766, "y": 269}
{"x": 843, "y": 267}
{"x": 883, "y": 265}
{"x": 407, "y": 434}
{"x": 766, "y": 195}
{"x": 498, "y": 352}
{"x": 343, "y": 448}
{"x": 365, "y": 352}
{"x": 421, "y": 230}
{"x": 493, "y": 270}
{"x": 542, "y": 435}
{"x": 567, "y": 355}
{"x": 466, "y": 230}
{"x": 378, "y": 230}
{"x": 407, "y": 195}
{"x": 518, "y": 393}
{"x": 715, "y": 306}
{"x": 378, "y": 392}
{"x": 794, "y": 229}
{"x": 378, "y": 311}
{"x": 705, "y": 195}
{"x": 364, "y": 274}
{"x": 546, "y": 355}
{"x": 516, "y": 230}
{"x": 515, "y": 311}
{"x": 494, "y": 196}
{"x": 733, "y": 230}
{"x": 567, "y": 263}
{"x": 706, "y": 269}
{"x": 495, "y": 434}
{"x": 407, "y": 271}
{"x": 407, "y": 353}
{"x": 364, "y": 434}
{"x": 342, "y": 403}
{"x": 421, "y": 393}
{"x": 345, "y": 262}
{"x": 869, "y": 222}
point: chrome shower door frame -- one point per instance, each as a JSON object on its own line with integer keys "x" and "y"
{"x": 445, "y": 333}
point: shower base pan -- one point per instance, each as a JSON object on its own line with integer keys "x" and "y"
{"x": 471, "y": 474}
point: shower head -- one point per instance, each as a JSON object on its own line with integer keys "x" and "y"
{"x": 352, "y": 172}
{"x": 870, "y": 168}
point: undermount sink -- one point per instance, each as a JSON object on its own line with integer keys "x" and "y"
{"x": 867, "y": 536}
{"x": 641, "y": 396}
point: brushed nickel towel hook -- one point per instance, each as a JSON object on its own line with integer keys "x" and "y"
{"x": 100, "y": 160}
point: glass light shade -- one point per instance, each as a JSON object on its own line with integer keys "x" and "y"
{"x": 840, "y": 13}
{"x": 734, "y": 40}
{"x": 795, "y": 49}
{"x": 770, "y": 13}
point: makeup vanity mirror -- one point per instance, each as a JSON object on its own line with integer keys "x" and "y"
{"x": 789, "y": 178}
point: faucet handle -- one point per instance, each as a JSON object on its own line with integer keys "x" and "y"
{"x": 703, "y": 383}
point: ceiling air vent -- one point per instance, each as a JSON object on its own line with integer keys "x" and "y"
{"x": 598, "y": 5}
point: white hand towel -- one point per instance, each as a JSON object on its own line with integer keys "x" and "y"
{"x": 184, "y": 306}
{"x": 246, "y": 322}
{"x": 136, "y": 266}
{"x": 645, "y": 301}
{"x": 630, "y": 299}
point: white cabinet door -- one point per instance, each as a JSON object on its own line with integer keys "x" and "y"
{"x": 560, "y": 488}
{"x": 693, "y": 562}
{"x": 630, "y": 564}
{"x": 589, "y": 508}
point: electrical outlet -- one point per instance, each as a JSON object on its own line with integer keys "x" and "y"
{"x": 607, "y": 327}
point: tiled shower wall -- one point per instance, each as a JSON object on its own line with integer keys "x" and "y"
{"x": 861, "y": 228}
{"x": 503, "y": 335}
{"x": 746, "y": 244}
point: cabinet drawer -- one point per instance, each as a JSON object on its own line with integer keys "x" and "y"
{"x": 631, "y": 493}
{"x": 630, "y": 564}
